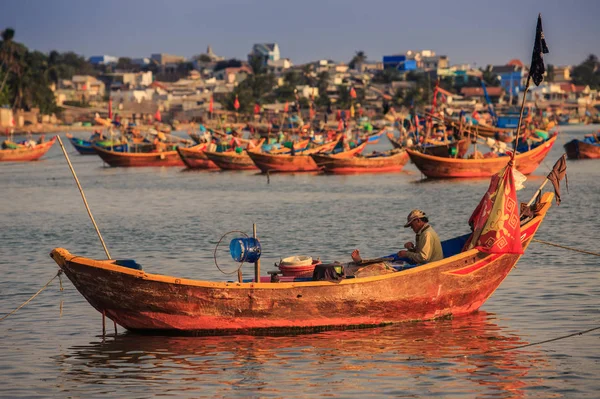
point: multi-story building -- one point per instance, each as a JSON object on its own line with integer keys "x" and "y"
{"x": 103, "y": 59}
{"x": 266, "y": 51}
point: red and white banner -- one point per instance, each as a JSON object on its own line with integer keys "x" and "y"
{"x": 496, "y": 222}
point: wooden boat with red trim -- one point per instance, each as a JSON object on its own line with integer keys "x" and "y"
{"x": 138, "y": 159}
{"x": 324, "y": 158}
{"x": 23, "y": 153}
{"x": 375, "y": 137}
{"x": 157, "y": 304}
{"x": 195, "y": 158}
{"x": 438, "y": 149}
{"x": 588, "y": 148}
{"x": 301, "y": 162}
{"x": 438, "y": 167}
{"x": 231, "y": 160}
{"x": 482, "y": 130}
{"x": 390, "y": 161}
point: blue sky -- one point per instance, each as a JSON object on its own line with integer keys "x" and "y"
{"x": 477, "y": 32}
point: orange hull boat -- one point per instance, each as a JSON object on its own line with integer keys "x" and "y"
{"x": 195, "y": 158}
{"x": 25, "y": 154}
{"x": 158, "y": 304}
{"x": 138, "y": 159}
{"x": 432, "y": 166}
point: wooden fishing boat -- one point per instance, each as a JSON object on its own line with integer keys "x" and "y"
{"x": 320, "y": 159}
{"x": 438, "y": 149}
{"x": 588, "y": 148}
{"x": 195, "y": 158}
{"x": 85, "y": 147}
{"x": 298, "y": 146}
{"x": 432, "y": 166}
{"x": 26, "y": 153}
{"x": 496, "y": 133}
{"x": 390, "y": 161}
{"x": 302, "y": 162}
{"x": 375, "y": 137}
{"x": 135, "y": 159}
{"x": 157, "y": 304}
{"x": 231, "y": 160}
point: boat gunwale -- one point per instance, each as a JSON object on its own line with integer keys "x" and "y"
{"x": 524, "y": 155}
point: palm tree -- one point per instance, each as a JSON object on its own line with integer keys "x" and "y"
{"x": 6, "y": 53}
{"x": 358, "y": 58}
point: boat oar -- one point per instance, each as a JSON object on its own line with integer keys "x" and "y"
{"x": 83, "y": 196}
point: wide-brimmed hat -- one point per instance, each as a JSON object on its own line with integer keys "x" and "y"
{"x": 414, "y": 215}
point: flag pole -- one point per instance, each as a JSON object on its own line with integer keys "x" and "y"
{"x": 521, "y": 115}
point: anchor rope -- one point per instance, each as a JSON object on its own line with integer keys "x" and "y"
{"x": 565, "y": 247}
{"x": 36, "y": 294}
{"x": 578, "y": 333}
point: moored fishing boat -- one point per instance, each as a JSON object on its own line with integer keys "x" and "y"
{"x": 195, "y": 158}
{"x": 455, "y": 148}
{"x": 85, "y": 147}
{"x": 439, "y": 167}
{"x": 588, "y": 148}
{"x": 231, "y": 160}
{"x": 322, "y": 158}
{"x": 21, "y": 153}
{"x": 375, "y": 137}
{"x": 301, "y": 162}
{"x": 390, "y": 161}
{"x": 135, "y": 159}
{"x": 158, "y": 304}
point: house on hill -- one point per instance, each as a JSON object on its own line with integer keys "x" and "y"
{"x": 496, "y": 94}
{"x": 266, "y": 52}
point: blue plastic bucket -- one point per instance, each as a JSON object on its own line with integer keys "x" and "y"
{"x": 245, "y": 249}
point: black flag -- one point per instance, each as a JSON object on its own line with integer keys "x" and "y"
{"x": 558, "y": 172}
{"x": 537, "y": 59}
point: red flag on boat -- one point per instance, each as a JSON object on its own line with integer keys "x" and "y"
{"x": 286, "y": 107}
{"x": 157, "y": 116}
{"x": 496, "y": 223}
{"x": 211, "y": 104}
{"x": 311, "y": 111}
{"x": 256, "y": 109}
{"x": 110, "y": 108}
{"x": 435, "y": 93}
{"x": 236, "y": 103}
{"x": 340, "y": 125}
{"x": 352, "y": 92}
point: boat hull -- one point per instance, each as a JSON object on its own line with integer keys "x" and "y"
{"x": 141, "y": 159}
{"x": 231, "y": 160}
{"x": 26, "y": 154}
{"x": 384, "y": 164}
{"x": 195, "y": 158}
{"x": 269, "y": 163}
{"x": 158, "y": 304}
{"x": 577, "y": 149}
{"x": 438, "y": 167}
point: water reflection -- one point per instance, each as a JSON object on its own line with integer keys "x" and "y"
{"x": 446, "y": 356}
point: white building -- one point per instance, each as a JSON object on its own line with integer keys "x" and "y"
{"x": 266, "y": 51}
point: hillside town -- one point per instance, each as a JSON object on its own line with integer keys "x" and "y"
{"x": 266, "y": 84}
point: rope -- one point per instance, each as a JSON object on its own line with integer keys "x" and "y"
{"x": 565, "y": 247}
{"x": 34, "y": 295}
{"x": 514, "y": 347}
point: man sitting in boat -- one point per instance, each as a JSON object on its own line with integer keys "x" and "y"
{"x": 428, "y": 247}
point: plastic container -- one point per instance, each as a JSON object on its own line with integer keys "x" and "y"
{"x": 298, "y": 270}
{"x": 245, "y": 249}
{"x": 299, "y": 260}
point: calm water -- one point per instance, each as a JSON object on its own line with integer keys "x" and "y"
{"x": 170, "y": 221}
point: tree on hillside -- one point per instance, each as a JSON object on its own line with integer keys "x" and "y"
{"x": 587, "y": 73}
{"x": 358, "y": 58}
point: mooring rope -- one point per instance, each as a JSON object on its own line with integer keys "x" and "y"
{"x": 565, "y": 247}
{"x": 36, "y": 294}
{"x": 463, "y": 356}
